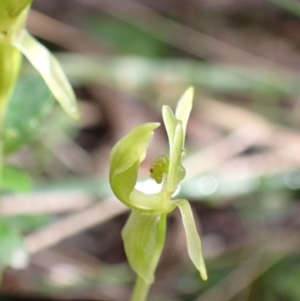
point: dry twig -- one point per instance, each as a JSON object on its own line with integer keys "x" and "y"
{"x": 73, "y": 224}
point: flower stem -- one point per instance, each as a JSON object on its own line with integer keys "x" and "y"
{"x": 140, "y": 291}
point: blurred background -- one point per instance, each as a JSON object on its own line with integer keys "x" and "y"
{"x": 125, "y": 59}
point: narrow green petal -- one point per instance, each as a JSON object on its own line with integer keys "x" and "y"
{"x": 144, "y": 237}
{"x": 170, "y": 122}
{"x": 192, "y": 237}
{"x": 184, "y": 107}
{"x": 175, "y": 159}
{"x": 50, "y": 70}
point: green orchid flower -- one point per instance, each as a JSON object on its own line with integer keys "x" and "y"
{"x": 15, "y": 41}
{"x": 145, "y": 230}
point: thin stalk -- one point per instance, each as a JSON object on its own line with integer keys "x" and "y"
{"x": 140, "y": 290}
{"x": 166, "y": 194}
{"x": 2, "y": 114}
{"x": 2, "y": 120}
{"x": 10, "y": 62}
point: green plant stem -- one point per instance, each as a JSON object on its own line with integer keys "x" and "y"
{"x": 2, "y": 120}
{"x": 2, "y": 115}
{"x": 140, "y": 291}
{"x": 10, "y": 62}
{"x": 166, "y": 194}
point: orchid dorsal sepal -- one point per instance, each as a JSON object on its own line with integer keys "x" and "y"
{"x": 131, "y": 148}
{"x": 125, "y": 159}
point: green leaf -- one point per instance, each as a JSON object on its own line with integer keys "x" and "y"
{"x": 10, "y": 242}
{"x": 192, "y": 237}
{"x": 29, "y": 104}
{"x": 184, "y": 108}
{"x": 144, "y": 237}
{"x": 15, "y": 180}
{"x": 50, "y": 70}
{"x": 175, "y": 159}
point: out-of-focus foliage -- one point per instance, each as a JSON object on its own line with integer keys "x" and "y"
{"x": 32, "y": 100}
{"x": 15, "y": 180}
{"x": 11, "y": 242}
{"x": 126, "y": 37}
